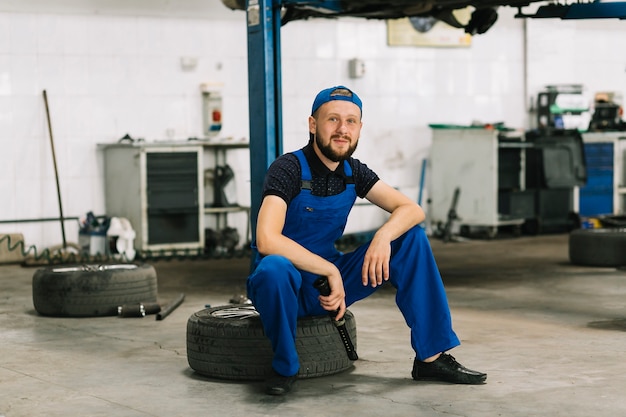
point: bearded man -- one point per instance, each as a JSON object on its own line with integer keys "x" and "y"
{"x": 307, "y": 197}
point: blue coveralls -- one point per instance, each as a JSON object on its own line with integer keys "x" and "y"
{"x": 281, "y": 293}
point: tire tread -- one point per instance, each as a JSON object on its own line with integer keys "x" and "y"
{"x": 237, "y": 349}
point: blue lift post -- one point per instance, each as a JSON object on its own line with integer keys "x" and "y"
{"x": 264, "y": 94}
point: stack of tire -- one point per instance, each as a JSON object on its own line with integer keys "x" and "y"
{"x": 228, "y": 342}
{"x": 92, "y": 290}
{"x": 602, "y": 247}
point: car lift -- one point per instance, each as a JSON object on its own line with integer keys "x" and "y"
{"x": 264, "y": 89}
{"x": 264, "y": 77}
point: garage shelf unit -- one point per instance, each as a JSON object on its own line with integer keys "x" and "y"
{"x": 160, "y": 188}
{"x": 213, "y": 206}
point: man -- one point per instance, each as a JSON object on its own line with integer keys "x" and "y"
{"x": 307, "y": 197}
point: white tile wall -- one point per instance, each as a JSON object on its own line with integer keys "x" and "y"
{"x": 5, "y": 34}
{"x": 107, "y": 75}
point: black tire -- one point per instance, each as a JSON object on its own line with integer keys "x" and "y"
{"x": 613, "y": 220}
{"x": 92, "y": 290}
{"x": 228, "y": 342}
{"x": 598, "y": 247}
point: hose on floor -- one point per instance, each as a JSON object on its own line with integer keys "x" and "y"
{"x": 55, "y": 256}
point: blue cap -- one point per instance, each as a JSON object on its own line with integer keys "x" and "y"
{"x": 336, "y": 93}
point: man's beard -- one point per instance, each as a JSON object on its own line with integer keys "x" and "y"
{"x": 333, "y": 155}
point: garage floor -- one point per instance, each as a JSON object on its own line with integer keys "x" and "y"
{"x": 550, "y": 335}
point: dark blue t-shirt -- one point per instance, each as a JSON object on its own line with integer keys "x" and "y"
{"x": 284, "y": 175}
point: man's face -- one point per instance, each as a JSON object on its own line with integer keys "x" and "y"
{"x": 336, "y": 127}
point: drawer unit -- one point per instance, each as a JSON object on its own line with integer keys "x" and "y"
{"x": 172, "y": 197}
{"x": 159, "y": 189}
{"x": 596, "y": 197}
{"x": 605, "y": 191}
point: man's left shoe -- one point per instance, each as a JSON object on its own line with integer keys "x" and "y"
{"x": 446, "y": 368}
{"x": 279, "y": 384}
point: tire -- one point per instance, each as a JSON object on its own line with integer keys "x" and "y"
{"x": 92, "y": 290}
{"x": 613, "y": 220}
{"x": 598, "y": 247}
{"x": 228, "y": 342}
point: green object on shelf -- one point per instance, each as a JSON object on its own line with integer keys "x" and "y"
{"x": 555, "y": 109}
{"x": 496, "y": 126}
{"x": 451, "y": 126}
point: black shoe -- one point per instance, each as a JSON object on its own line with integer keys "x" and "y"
{"x": 279, "y": 384}
{"x": 447, "y": 369}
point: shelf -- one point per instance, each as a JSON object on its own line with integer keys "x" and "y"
{"x": 224, "y": 145}
{"x": 176, "y": 144}
{"x": 231, "y": 209}
{"x": 222, "y": 212}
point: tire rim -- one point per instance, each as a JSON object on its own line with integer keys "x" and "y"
{"x": 95, "y": 268}
{"x": 608, "y": 230}
{"x": 241, "y": 313}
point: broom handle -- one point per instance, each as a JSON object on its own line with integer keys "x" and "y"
{"x": 56, "y": 172}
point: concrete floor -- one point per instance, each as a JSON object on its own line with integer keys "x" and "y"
{"x": 550, "y": 335}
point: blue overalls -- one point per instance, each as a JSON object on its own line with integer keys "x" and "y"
{"x": 281, "y": 293}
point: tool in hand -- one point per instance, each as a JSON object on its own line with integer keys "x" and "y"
{"x": 321, "y": 284}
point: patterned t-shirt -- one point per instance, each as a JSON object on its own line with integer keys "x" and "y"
{"x": 283, "y": 178}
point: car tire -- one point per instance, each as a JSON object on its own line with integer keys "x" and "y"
{"x": 92, "y": 290}
{"x": 604, "y": 247}
{"x": 613, "y": 220}
{"x": 228, "y": 342}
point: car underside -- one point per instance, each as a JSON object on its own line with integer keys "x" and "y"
{"x": 483, "y": 16}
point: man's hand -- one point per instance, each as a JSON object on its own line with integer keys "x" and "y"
{"x": 376, "y": 262}
{"x": 336, "y": 300}
{"x": 405, "y": 214}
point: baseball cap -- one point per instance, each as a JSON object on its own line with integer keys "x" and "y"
{"x": 336, "y": 93}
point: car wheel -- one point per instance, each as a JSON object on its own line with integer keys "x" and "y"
{"x": 613, "y": 220}
{"x": 598, "y": 247}
{"x": 92, "y": 290}
{"x": 228, "y": 342}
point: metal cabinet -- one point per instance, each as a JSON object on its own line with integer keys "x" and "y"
{"x": 521, "y": 178}
{"x": 159, "y": 189}
{"x": 605, "y": 191}
{"x": 478, "y": 162}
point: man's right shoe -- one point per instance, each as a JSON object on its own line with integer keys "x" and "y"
{"x": 446, "y": 368}
{"x": 279, "y": 384}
